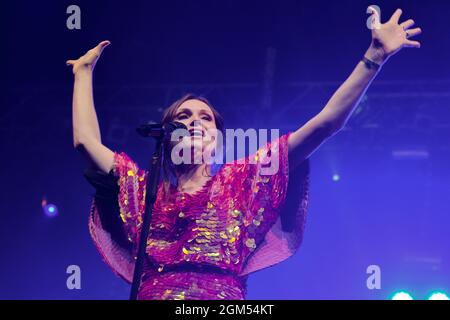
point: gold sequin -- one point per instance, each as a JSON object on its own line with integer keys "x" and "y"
{"x": 212, "y": 254}
{"x": 236, "y": 213}
{"x": 180, "y": 296}
{"x": 250, "y": 242}
{"x": 130, "y": 173}
{"x": 181, "y": 214}
{"x": 158, "y": 243}
{"x": 166, "y": 293}
{"x": 223, "y": 235}
{"x": 185, "y": 251}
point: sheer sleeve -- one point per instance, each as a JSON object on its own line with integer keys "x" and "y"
{"x": 116, "y": 212}
{"x": 275, "y": 206}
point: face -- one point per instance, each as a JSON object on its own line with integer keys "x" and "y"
{"x": 199, "y": 119}
{"x": 195, "y": 114}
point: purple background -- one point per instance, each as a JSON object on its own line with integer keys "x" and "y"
{"x": 268, "y": 64}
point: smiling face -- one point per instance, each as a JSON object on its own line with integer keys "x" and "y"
{"x": 197, "y": 116}
{"x": 200, "y": 121}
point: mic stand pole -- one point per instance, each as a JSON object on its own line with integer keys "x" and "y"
{"x": 150, "y": 198}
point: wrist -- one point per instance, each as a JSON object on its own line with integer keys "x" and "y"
{"x": 83, "y": 70}
{"x": 376, "y": 54}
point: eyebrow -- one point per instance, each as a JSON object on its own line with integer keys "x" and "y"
{"x": 185, "y": 110}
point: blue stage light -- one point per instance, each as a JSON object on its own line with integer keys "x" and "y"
{"x": 438, "y": 296}
{"x": 402, "y": 295}
{"x": 50, "y": 210}
{"x": 336, "y": 177}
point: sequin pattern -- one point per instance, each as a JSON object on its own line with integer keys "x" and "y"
{"x": 218, "y": 228}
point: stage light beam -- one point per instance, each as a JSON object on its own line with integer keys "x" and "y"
{"x": 402, "y": 295}
{"x": 336, "y": 177}
{"x": 50, "y": 210}
{"x": 438, "y": 296}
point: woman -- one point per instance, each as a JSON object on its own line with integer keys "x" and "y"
{"x": 209, "y": 231}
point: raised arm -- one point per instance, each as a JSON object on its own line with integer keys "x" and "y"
{"x": 387, "y": 39}
{"x": 86, "y": 132}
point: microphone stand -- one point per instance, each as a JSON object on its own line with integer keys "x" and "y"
{"x": 160, "y": 133}
{"x": 150, "y": 198}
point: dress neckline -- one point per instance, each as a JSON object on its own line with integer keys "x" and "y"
{"x": 203, "y": 189}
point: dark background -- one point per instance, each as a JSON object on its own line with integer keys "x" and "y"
{"x": 268, "y": 64}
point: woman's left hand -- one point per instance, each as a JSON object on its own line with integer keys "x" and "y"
{"x": 388, "y": 38}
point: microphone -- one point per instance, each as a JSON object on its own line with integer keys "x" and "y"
{"x": 159, "y": 130}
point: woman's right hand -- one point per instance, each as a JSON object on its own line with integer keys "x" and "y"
{"x": 89, "y": 59}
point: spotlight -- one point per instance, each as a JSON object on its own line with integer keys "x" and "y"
{"x": 336, "y": 177}
{"x": 50, "y": 210}
{"x": 402, "y": 295}
{"x": 438, "y": 296}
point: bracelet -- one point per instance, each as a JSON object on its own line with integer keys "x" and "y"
{"x": 370, "y": 64}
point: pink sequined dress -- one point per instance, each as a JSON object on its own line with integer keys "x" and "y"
{"x": 202, "y": 245}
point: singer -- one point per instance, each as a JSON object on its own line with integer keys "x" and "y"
{"x": 211, "y": 228}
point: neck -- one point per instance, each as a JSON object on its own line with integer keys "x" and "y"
{"x": 191, "y": 172}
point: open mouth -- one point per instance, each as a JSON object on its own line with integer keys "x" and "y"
{"x": 196, "y": 133}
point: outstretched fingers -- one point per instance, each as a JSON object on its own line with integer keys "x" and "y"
{"x": 412, "y": 44}
{"x": 407, "y": 24}
{"x": 396, "y": 16}
{"x": 102, "y": 45}
{"x": 414, "y": 32}
{"x": 411, "y": 33}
